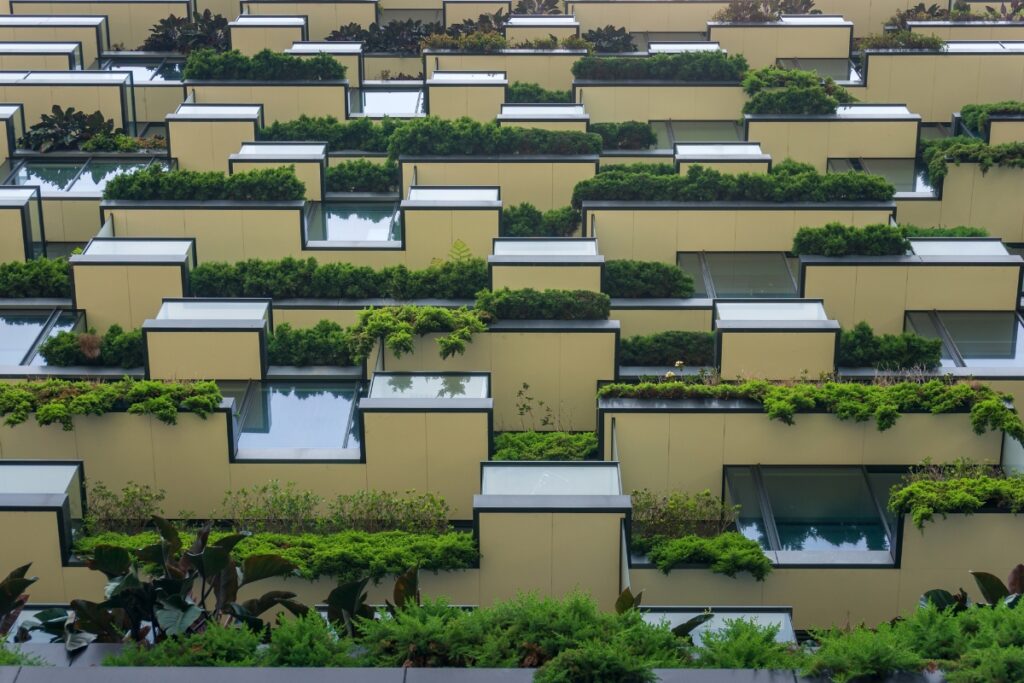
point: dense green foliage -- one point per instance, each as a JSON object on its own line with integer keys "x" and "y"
{"x": 788, "y": 91}
{"x": 976, "y": 116}
{"x": 185, "y": 34}
{"x": 743, "y": 644}
{"x": 360, "y": 175}
{"x": 595, "y": 662}
{"x": 957, "y": 488}
{"x": 477, "y": 42}
{"x": 762, "y": 11}
{"x": 882, "y": 403}
{"x": 41, "y": 277}
{"x": 849, "y": 655}
{"x": 625, "y": 135}
{"x": 292, "y": 278}
{"x": 650, "y": 168}
{"x": 645, "y": 279}
{"x": 398, "y": 326}
{"x": 938, "y": 153}
{"x": 685, "y": 67}
{"x": 531, "y": 93}
{"x": 116, "y": 348}
{"x": 610, "y": 39}
{"x": 526, "y": 220}
{"x": 358, "y": 135}
{"x": 155, "y": 183}
{"x": 216, "y": 646}
{"x": 431, "y": 136}
{"x": 551, "y": 304}
{"x": 66, "y": 129}
{"x": 57, "y": 401}
{"x": 127, "y": 511}
{"x": 668, "y": 348}
{"x": 323, "y": 344}
{"x": 880, "y": 239}
{"x": 344, "y": 555}
{"x": 209, "y": 65}
{"x": 545, "y": 446}
{"x": 788, "y": 181}
{"x": 861, "y": 347}
{"x": 401, "y": 36}
{"x": 728, "y": 553}
{"x": 902, "y": 40}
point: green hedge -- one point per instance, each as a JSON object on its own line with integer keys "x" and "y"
{"x": 431, "y": 136}
{"x": 526, "y": 220}
{"x": 551, "y": 304}
{"x": 292, "y": 278}
{"x": 56, "y": 401}
{"x": 976, "y": 116}
{"x": 668, "y": 348}
{"x": 880, "y": 239}
{"x": 344, "y": 556}
{"x": 209, "y": 65}
{"x": 729, "y": 553}
{"x": 356, "y": 135}
{"x": 901, "y": 40}
{"x": 116, "y": 348}
{"x": 625, "y": 135}
{"x": 788, "y": 181}
{"x": 937, "y": 154}
{"x": 650, "y": 168}
{"x": 952, "y": 493}
{"x": 545, "y": 446}
{"x": 861, "y": 347}
{"x": 531, "y": 93}
{"x": 686, "y": 67}
{"x": 361, "y": 175}
{"x": 154, "y": 183}
{"x": 39, "y": 277}
{"x": 846, "y": 400}
{"x": 326, "y": 343}
{"x": 788, "y": 91}
{"x": 646, "y": 279}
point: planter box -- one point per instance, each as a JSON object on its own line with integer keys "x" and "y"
{"x": 649, "y": 316}
{"x": 657, "y": 231}
{"x": 41, "y": 57}
{"x": 969, "y": 30}
{"x": 854, "y": 131}
{"x": 375, "y": 64}
{"x": 308, "y": 159}
{"x": 654, "y": 16}
{"x": 347, "y": 53}
{"x": 613, "y": 101}
{"x": 431, "y": 227}
{"x": 880, "y": 289}
{"x": 519, "y": 264}
{"x": 108, "y": 92}
{"x": 22, "y": 235}
{"x": 224, "y": 230}
{"x": 281, "y": 100}
{"x": 571, "y": 117}
{"x": 321, "y": 17}
{"x": 202, "y": 136}
{"x": 793, "y": 37}
{"x": 12, "y": 128}
{"x": 1003, "y": 128}
{"x": 726, "y": 157}
{"x": 91, "y": 31}
{"x": 251, "y": 34}
{"x": 551, "y": 69}
{"x": 562, "y": 361}
{"x": 456, "y": 94}
{"x": 546, "y": 182}
{"x": 128, "y": 21}
{"x": 520, "y": 28}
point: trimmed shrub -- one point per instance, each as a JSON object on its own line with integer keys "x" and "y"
{"x": 728, "y": 553}
{"x": 304, "y": 641}
{"x": 668, "y": 348}
{"x": 154, "y": 183}
{"x": 861, "y": 654}
{"x": 357, "y": 135}
{"x": 762, "y": 11}
{"x": 685, "y": 67}
{"x": 360, "y": 175}
{"x": 860, "y": 347}
{"x": 594, "y": 662}
{"x": 744, "y": 644}
{"x": 485, "y": 42}
{"x": 625, "y": 135}
{"x": 937, "y": 154}
{"x": 209, "y": 65}
{"x": 836, "y": 239}
{"x": 216, "y": 645}
{"x": 41, "y": 277}
{"x": 551, "y": 304}
{"x": 788, "y": 91}
{"x": 525, "y": 220}
{"x": 976, "y": 116}
{"x": 116, "y": 348}
{"x": 902, "y": 40}
{"x": 323, "y": 344}
{"x": 545, "y": 446}
{"x": 431, "y": 136}
{"x": 610, "y": 39}
{"x": 646, "y": 279}
{"x": 531, "y": 93}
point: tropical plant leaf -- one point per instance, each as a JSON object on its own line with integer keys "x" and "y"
{"x": 112, "y": 560}
{"x": 992, "y": 589}
{"x": 259, "y": 567}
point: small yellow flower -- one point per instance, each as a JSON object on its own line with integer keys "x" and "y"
{"x": 670, "y": 374}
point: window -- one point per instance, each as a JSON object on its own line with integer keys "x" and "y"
{"x": 973, "y": 339}
{"x": 904, "y": 174}
{"x": 740, "y": 275}
{"x": 671, "y": 132}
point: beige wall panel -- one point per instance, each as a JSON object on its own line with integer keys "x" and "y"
{"x": 430, "y": 234}
{"x": 944, "y": 438}
{"x": 203, "y": 355}
{"x": 1001, "y": 132}
{"x": 34, "y": 62}
{"x": 86, "y": 35}
{"x": 516, "y": 554}
{"x": 374, "y": 66}
{"x": 324, "y": 479}
{"x": 71, "y": 220}
{"x": 521, "y": 34}
{"x": 396, "y": 451}
{"x": 457, "y": 12}
{"x": 323, "y": 17}
{"x": 308, "y": 317}
{"x": 251, "y": 39}
{"x": 206, "y": 146}
{"x": 966, "y": 288}
{"x": 12, "y": 237}
{"x": 281, "y": 102}
{"x": 153, "y": 103}
{"x": 478, "y": 102}
{"x": 123, "y": 295}
{"x": 306, "y": 171}
{"x": 456, "y": 443}
{"x": 972, "y": 31}
{"x": 870, "y": 595}
{"x": 179, "y": 453}
{"x": 82, "y": 582}
{"x": 880, "y": 298}
{"x": 39, "y": 99}
{"x": 777, "y": 355}
{"x": 696, "y": 586}
{"x": 645, "y": 15}
{"x": 585, "y": 555}
{"x": 32, "y": 536}
{"x": 551, "y": 70}
{"x": 547, "y": 277}
{"x": 763, "y": 45}
{"x": 577, "y": 126}
{"x": 129, "y": 22}
{"x": 610, "y": 103}
{"x": 635, "y": 321}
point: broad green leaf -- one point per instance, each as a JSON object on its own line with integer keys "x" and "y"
{"x": 259, "y": 567}
{"x": 992, "y": 589}
{"x": 111, "y": 560}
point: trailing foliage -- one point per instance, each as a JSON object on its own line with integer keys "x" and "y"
{"x": 846, "y": 400}
{"x": 956, "y": 488}
{"x": 880, "y": 239}
{"x": 938, "y": 153}
{"x": 595, "y": 662}
{"x": 976, "y": 116}
{"x": 625, "y": 135}
{"x": 360, "y": 175}
{"x": 292, "y": 278}
{"x": 762, "y": 11}
{"x": 646, "y": 279}
{"x": 545, "y": 446}
{"x": 728, "y": 553}
{"x": 155, "y": 183}
{"x": 443, "y": 137}
{"x": 403, "y": 37}
{"x": 531, "y": 93}
{"x": 343, "y": 556}
{"x": 525, "y": 220}
{"x": 360, "y": 134}
{"x": 66, "y": 129}
{"x": 861, "y": 347}
{"x": 902, "y": 40}
{"x": 184, "y": 34}
{"x": 41, "y": 277}
{"x": 789, "y": 91}
{"x": 668, "y": 348}
{"x": 115, "y": 349}
{"x": 55, "y": 401}
{"x": 399, "y": 325}
{"x": 323, "y": 344}
{"x": 788, "y": 181}
{"x": 209, "y": 65}
{"x": 679, "y": 514}
{"x": 550, "y": 304}
{"x": 610, "y": 39}
{"x": 685, "y": 67}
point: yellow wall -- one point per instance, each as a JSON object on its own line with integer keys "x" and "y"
{"x": 123, "y": 295}
{"x": 35, "y": 62}
{"x": 12, "y": 236}
{"x": 129, "y": 22}
{"x": 154, "y": 102}
{"x": 777, "y": 355}
{"x": 521, "y": 34}
{"x": 206, "y": 145}
{"x": 611, "y": 103}
{"x": 281, "y": 101}
{"x": 203, "y": 355}
{"x": 374, "y": 66}
{"x": 553, "y": 276}
{"x": 815, "y": 142}
{"x": 972, "y": 31}
{"x": 323, "y": 17}
{"x": 764, "y": 44}
{"x": 251, "y": 39}
{"x": 1001, "y": 132}
{"x": 431, "y": 233}
{"x": 880, "y": 295}
{"x": 551, "y": 70}
{"x": 39, "y": 99}
{"x": 69, "y": 219}
{"x": 86, "y": 35}
{"x": 649, "y": 321}
{"x": 480, "y": 102}
{"x": 457, "y": 12}
{"x": 868, "y": 16}
{"x": 309, "y": 172}
{"x": 645, "y": 15}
